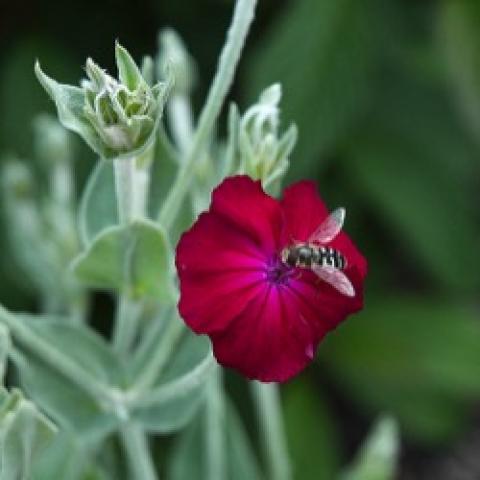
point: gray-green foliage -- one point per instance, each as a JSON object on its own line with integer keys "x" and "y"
{"x": 24, "y": 433}
{"x": 381, "y": 106}
{"x": 188, "y": 460}
{"x": 65, "y": 401}
{"x": 136, "y": 256}
{"x": 152, "y": 377}
{"x": 39, "y": 206}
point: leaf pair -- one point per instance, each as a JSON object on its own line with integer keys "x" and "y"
{"x": 79, "y": 412}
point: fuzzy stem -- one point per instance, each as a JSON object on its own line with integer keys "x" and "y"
{"x": 181, "y": 120}
{"x": 131, "y": 190}
{"x": 131, "y": 186}
{"x": 126, "y": 323}
{"x": 138, "y": 452}
{"x": 267, "y": 401}
{"x": 215, "y": 428}
{"x": 166, "y": 346}
{"x": 242, "y": 18}
{"x": 174, "y": 389}
{"x": 124, "y": 169}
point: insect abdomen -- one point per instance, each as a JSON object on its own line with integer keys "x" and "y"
{"x": 331, "y": 257}
{"x": 306, "y": 256}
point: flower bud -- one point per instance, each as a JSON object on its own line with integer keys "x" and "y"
{"x": 116, "y": 117}
{"x": 258, "y": 149}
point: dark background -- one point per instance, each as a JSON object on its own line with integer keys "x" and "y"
{"x": 386, "y": 95}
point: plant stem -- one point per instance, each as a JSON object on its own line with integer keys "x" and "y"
{"x": 272, "y": 430}
{"x": 126, "y": 323}
{"x": 138, "y": 453}
{"x": 176, "y": 388}
{"x": 215, "y": 428}
{"x": 166, "y": 346}
{"x": 131, "y": 189}
{"x": 124, "y": 169}
{"x": 55, "y": 359}
{"x": 181, "y": 120}
{"x": 131, "y": 186}
{"x": 242, "y": 18}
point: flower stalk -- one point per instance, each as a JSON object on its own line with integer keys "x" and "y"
{"x": 130, "y": 206}
{"x": 163, "y": 351}
{"x": 137, "y": 449}
{"x": 272, "y": 431}
{"x": 125, "y": 188}
{"x": 229, "y": 58}
{"x": 214, "y": 428}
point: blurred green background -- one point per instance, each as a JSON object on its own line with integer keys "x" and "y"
{"x": 386, "y": 95}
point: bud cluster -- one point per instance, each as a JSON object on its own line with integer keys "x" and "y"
{"x": 116, "y": 117}
{"x": 261, "y": 152}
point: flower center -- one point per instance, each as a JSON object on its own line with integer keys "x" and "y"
{"x": 278, "y": 272}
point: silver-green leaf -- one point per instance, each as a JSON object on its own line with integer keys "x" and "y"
{"x": 61, "y": 398}
{"x": 136, "y": 257}
{"x": 24, "y": 433}
{"x": 98, "y": 207}
{"x": 70, "y": 101}
{"x": 179, "y": 391}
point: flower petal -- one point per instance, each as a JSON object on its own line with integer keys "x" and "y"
{"x": 242, "y": 202}
{"x": 322, "y": 305}
{"x": 303, "y": 210}
{"x": 220, "y": 268}
{"x": 269, "y": 340}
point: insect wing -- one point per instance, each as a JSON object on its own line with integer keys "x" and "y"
{"x": 336, "y": 278}
{"x": 329, "y": 228}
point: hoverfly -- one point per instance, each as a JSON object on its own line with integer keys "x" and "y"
{"x": 326, "y": 262}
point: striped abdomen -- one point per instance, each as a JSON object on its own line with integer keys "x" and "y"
{"x": 306, "y": 256}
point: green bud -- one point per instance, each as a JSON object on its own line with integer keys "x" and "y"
{"x": 116, "y": 117}
{"x": 254, "y": 139}
{"x": 174, "y": 55}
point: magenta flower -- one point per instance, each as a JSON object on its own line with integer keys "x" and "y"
{"x": 265, "y": 313}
